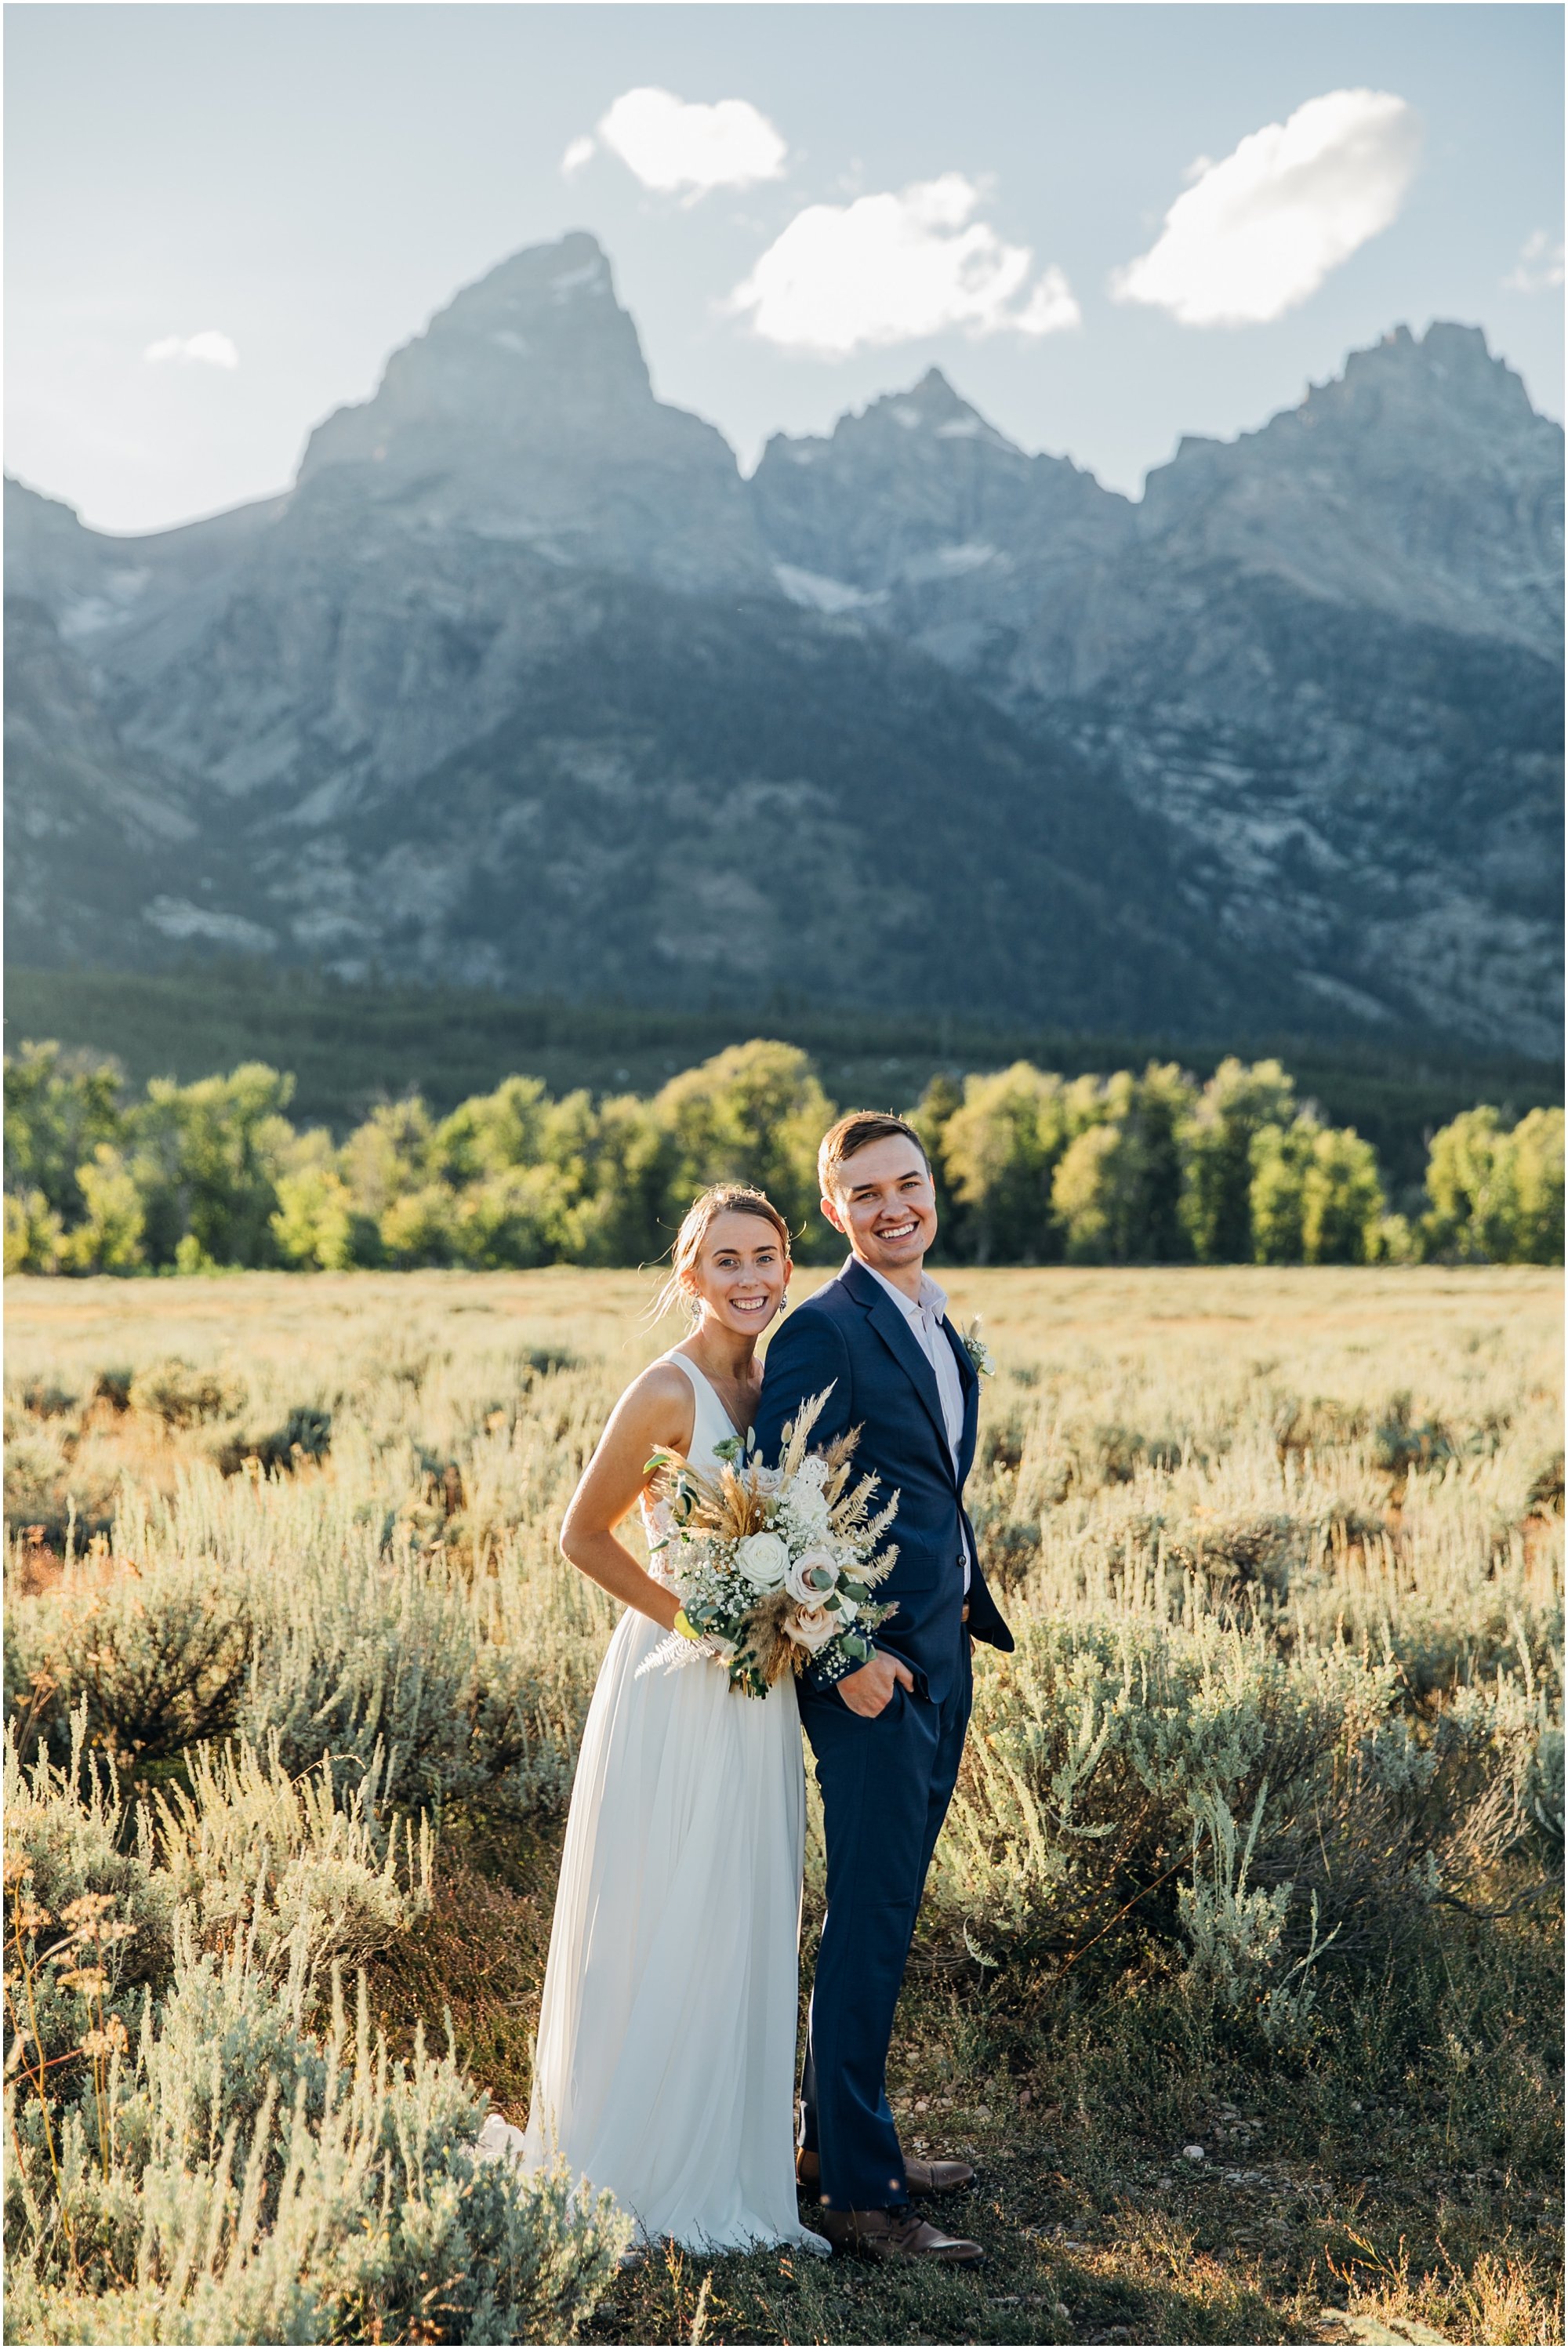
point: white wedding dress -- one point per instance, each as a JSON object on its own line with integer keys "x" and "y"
{"x": 665, "y": 2063}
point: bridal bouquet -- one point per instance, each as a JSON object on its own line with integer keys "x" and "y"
{"x": 774, "y": 1567}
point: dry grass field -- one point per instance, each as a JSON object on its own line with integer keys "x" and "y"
{"x": 1240, "y": 1974}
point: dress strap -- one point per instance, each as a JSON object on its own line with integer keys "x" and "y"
{"x": 707, "y": 1399}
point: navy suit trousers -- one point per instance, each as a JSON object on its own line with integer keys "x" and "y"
{"x": 886, "y": 1784}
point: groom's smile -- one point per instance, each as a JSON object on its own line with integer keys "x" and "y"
{"x": 884, "y": 1202}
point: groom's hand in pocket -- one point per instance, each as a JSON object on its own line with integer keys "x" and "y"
{"x": 869, "y": 1691}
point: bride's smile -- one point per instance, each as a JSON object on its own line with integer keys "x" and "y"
{"x": 742, "y": 1275}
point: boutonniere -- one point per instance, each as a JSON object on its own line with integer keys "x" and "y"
{"x": 978, "y": 1352}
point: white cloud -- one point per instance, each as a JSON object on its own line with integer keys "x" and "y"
{"x": 1258, "y": 232}
{"x": 893, "y": 268}
{"x": 677, "y": 148}
{"x": 1051, "y": 308}
{"x": 209, "y": 348}
{"x": 1538, "y": 266}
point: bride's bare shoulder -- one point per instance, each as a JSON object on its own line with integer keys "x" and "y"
{"x": 659, "y": 1405}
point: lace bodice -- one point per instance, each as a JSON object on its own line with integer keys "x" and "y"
{"x": 711, "y": 1427}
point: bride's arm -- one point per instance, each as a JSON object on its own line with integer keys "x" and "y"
{"x": 655, "y": 1410}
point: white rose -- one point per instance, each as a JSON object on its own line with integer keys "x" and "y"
{"x": 763, "y": 1561}
{"x": 809, "y": 1509}
{"x": 812, "y": 1630}
{"x": 811, "y": 1576}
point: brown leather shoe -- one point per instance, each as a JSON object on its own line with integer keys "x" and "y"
{"x": 920, "y": 2176}
{"x": 897, "y": 2235}
{"x": 937, "y": 2176}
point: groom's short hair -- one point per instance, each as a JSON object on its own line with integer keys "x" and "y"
{"x": 853, "y": 1132}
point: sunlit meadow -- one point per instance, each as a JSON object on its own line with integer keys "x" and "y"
{"x": 1239, "y": 1976}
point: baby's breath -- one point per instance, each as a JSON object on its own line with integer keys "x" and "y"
{"x": 775, "y": 1567}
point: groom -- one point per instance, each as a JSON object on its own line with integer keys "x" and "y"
{"x": 887, "y": 1737}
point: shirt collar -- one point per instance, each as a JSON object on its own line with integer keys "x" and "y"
{"x": 931, "y": 1301}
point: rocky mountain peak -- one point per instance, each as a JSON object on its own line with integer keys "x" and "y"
{"x": 1420, "y": 479}
{"x": 537, "y": 348}
{"x": 1445, "y": 380}
{"x": 1398, "y": 393}
{"x": 914, "y": 491}
{"x": 930, "y": 409}
{"x": 524, "y": 412}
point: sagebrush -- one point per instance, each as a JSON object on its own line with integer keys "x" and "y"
{"x": 1282, "y": 1731}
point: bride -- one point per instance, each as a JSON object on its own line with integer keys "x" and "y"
{"x": 665, "y": 2056}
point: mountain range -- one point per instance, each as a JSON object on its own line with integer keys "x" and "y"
{"x": 522, "y": 685}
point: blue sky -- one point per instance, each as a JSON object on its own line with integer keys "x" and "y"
{"x": 1110, "y": 225}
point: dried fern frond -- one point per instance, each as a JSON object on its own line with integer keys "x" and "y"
{"x": 849, "y": 1515}
{"x": 842, "y": 1449}
{"x": 838, "y": 1456}
{"x": 883, "y": 1518}
{"x": 800, "y": 1427}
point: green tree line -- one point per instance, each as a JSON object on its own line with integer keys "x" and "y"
{"x": 1033, "y": 1168}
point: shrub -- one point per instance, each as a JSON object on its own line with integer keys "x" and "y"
{"x": 393, "y": 1664}
{"x": 182, "y": 1396}
{"x": 158, "y": 1661}
{"x": 191, "y": 2163}
{"x": 252, "y": 1852}
{"x": 1237, "y": 1932}
{"x": 232, "y": 2179}
{"x": 241, "y": 1849}
{"x": 304, "y": 1434}
{"x": 113, "y": 1387}
{"x": 1108, "y": 1754}
{"x": 402, "y": 1656}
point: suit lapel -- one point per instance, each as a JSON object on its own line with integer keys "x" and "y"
{"x": 903, "y": 1345}
{"x": 969, "y": 1380}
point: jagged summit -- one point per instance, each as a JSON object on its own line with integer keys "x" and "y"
{"x": 524, "y": 411}
{"x": 1445, "y": 380}
{"x": 1449, "y": 367}
{"x": 1419, "y": 480}
{"x": 537, "y": 348}
{"x": 932, "y": 405}
{"x": 930, "y": 408}
{"x": 915, "y": 490}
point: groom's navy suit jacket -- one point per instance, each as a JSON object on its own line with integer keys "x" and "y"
{"x": 886, "y": 1778}
{"x": 852, "y": 1338}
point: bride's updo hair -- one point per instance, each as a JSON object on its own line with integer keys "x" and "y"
{"x": 718, "y": 1199}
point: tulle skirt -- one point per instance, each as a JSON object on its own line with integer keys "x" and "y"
{"x": 665, "y": 2068}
